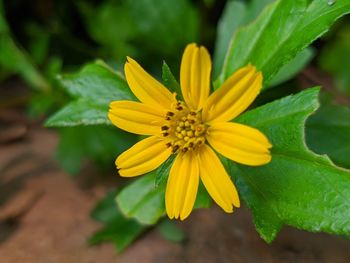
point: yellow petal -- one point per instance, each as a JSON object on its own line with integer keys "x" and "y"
{"x": 136, "y": 117}
{"x": 143, "y": 157}
{"x": 234, "y": 96}
{"x": 240, "y": 143}
{"x": 182, "y": 186}
{"x": 146, "y": 88}
{"x": 216, "y": 180}
{"x": 195, "y": 76}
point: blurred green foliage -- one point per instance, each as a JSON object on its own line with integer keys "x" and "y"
{"x": 335, "y": 56}
{"x": 15, "y": 60}
{"x": 328, "y": 131}
{"x": 141, "y": 29}
{"x": 98, "y": 143}
{"x": 170, "y": 231}
{"x": 117, "y": 229}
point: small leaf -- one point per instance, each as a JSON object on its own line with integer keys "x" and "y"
{"x": 94, "y": 87}
{"x": 170, "y": 231}
{"x": 98, "y": 84}
{"x": 79, "y": 112}
{"x": 163, "y": 171}
{"x": 170, "y": 81}
{"x": 142, "y": 200}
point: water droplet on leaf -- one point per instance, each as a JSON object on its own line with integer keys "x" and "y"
{"x": 331, "y": 2}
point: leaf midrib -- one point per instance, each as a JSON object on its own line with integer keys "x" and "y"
{"x": 225, "y": 71}
{"x": 300, "y": 21}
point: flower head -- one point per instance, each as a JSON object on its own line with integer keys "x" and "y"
{"x": 191, "y": 129}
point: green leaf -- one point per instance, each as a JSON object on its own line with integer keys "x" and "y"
{"x": 328, "y": 132}
{"x": 279, "y": 34}
{"x": 142, "y": 200}
{"x": 236, "y": 14}
{"x": 297, "y": 188}
{"x": 170, "y": 231}
{"x": 170, "y": 81}
{"x": 335, "y": 58}
{"x": 99, "y": 143}
{"x": 97, "y": 83}
{"x": 79, "y": 112}
{"x": 94, "y": 87}
{"x": 117, "y": 228}
{"x": 163, "y": 171}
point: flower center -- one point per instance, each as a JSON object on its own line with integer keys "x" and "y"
{"x": 184, "y": 128}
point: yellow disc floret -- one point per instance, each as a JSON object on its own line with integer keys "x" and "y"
{"x": 184, "y": 128}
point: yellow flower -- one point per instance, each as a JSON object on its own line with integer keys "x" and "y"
{"x": 190, "y": 129}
